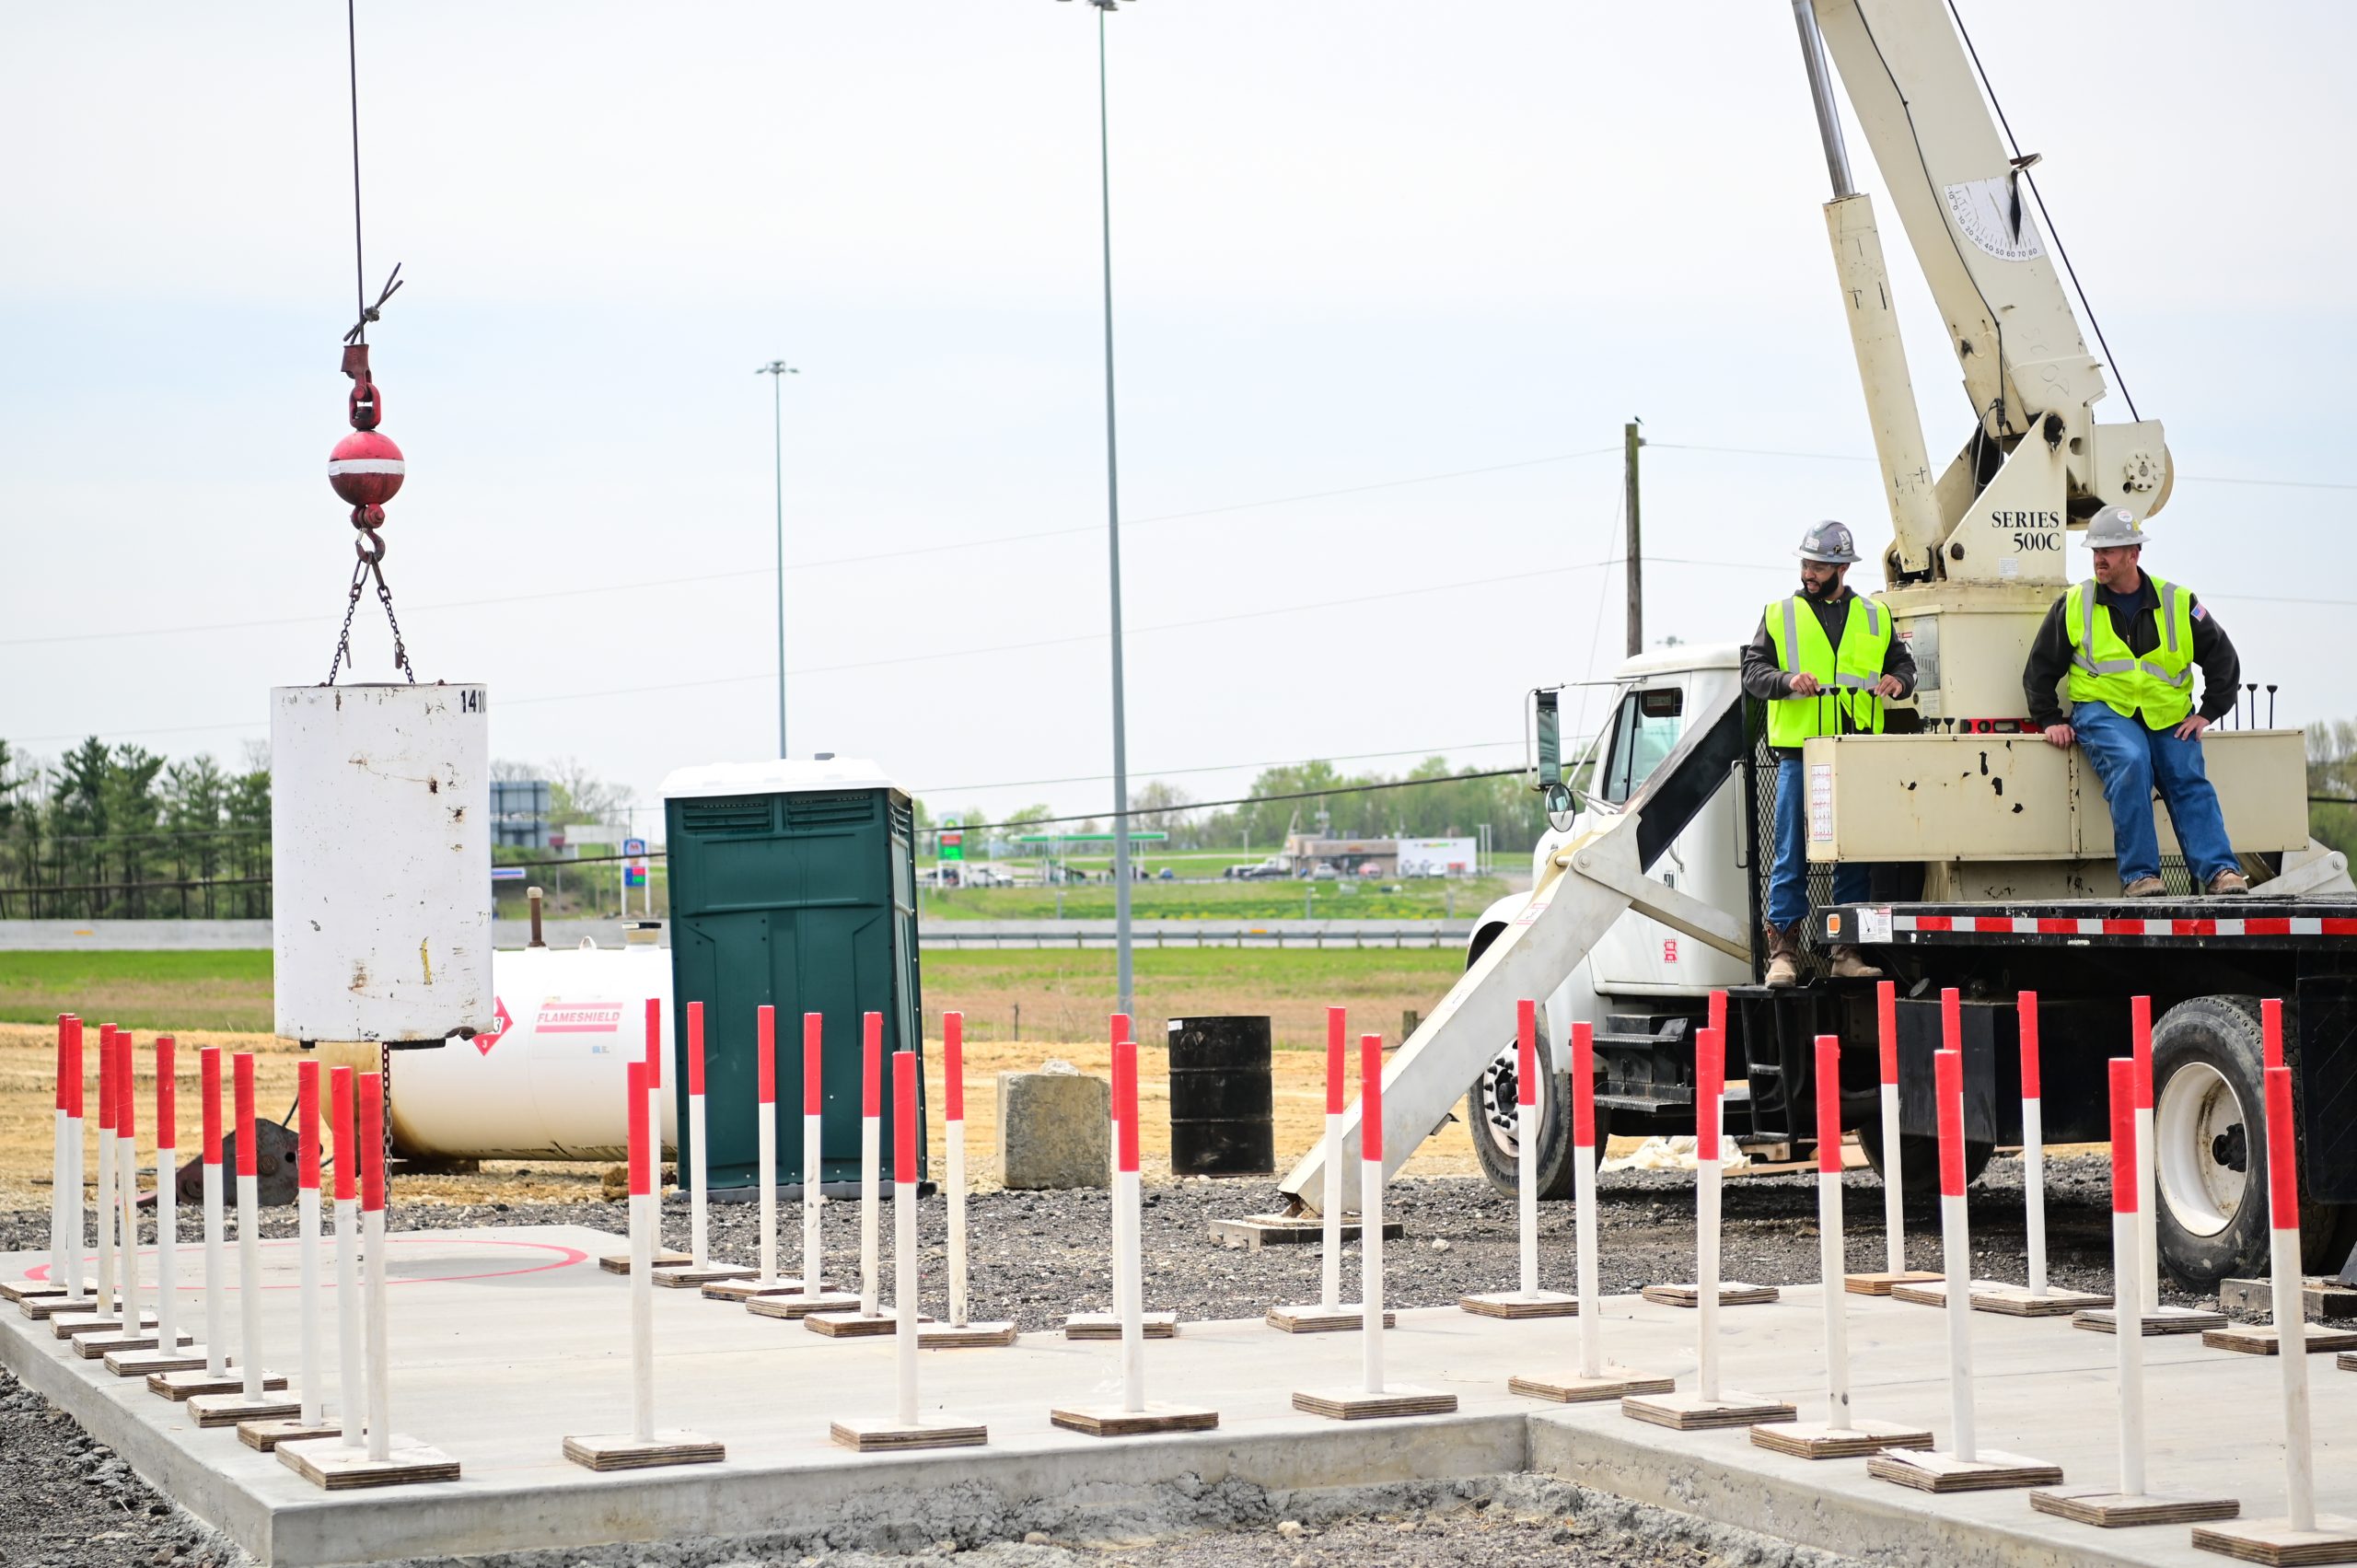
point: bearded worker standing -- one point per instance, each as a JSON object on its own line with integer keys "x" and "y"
{"x": 1824, "y": 661}
{"x": 2123, "y": 645}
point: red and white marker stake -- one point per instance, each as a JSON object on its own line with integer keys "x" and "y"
{"x": 871, "y": 1141}
{"x": 2131, "y": 1503}
{"x": 641, "y": 1243}
{"x": 2033, "y": 1144}
{"x": 814, "y": 1108}
{"x": 328, "y": 1462}
{"x": 1331, "y": 1313}
{"x": 107, "y": 1290}
{"x": 699, "y": 1242}
{"x": 64, "y": 1187}
{"x": 1707, "y": 1406}
{"x": 1894, "y": 1272}
{"x": 1372, "y": 1396}
{"x": 1842, "y": 1434}
{"x": 351, "y": 1381}
{"x": 167, "y": 1199}
{"x": 69, "y": 1180}
{"x": 765, "y": 1133}
{"x": 1126, "y": 1222}
{"x": 656, "y": 1049}
{"x": 2139, "y": 1023}
{"x": 960, "y": 1332}
{"x": 311, "y": 1420}
{"x": 1133, "y": 1415}
{"x": 1964, "y": 1466}
{"x": 126, "y": 1165}
{"x": 2301, "y": 1534}
{"x": 217, "y": 1335}
{"x": 1526, "y": 1300}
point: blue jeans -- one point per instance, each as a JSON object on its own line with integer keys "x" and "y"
{"x": 2133, "y": 760}
{"x": 1788, "y": 877}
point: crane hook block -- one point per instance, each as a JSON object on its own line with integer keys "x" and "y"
{"x": 366, "y": 468}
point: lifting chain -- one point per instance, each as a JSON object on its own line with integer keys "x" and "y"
{"x": 369, "y": 567}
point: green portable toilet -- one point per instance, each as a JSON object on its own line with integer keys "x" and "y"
{"x": 792, "y": 883}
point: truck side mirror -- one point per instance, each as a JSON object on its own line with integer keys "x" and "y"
{"x": 1550, "y": 728}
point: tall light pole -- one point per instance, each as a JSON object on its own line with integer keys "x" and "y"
{"x": 777, "y": 370}
{"x": 1113, "y": 541}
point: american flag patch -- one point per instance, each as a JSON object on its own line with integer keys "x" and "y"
{"x": 2201, "y": 612}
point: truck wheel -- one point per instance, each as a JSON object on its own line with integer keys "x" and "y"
{"x": 1920, "y": 1157}
{"x": 1489, "y": 1117}
{"x": 2211, "y": 1152}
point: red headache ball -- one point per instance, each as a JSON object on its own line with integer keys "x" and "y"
{"x": 367, "y": 467}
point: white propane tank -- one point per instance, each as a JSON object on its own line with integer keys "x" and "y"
{"x": 380, "y": 861}
{"x": 548, "y": 1081}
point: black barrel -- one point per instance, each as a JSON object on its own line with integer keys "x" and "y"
{"x": 1221, "y": 1108}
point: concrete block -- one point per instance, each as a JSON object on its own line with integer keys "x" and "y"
{"x": 1054, "y": 1129}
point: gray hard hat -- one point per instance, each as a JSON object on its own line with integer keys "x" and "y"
{"x": 1828, "y": 542}
{"x": 2113, "y": 528}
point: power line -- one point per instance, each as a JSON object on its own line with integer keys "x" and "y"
{"x": 1219, "y": 768}
{"x": 820, "y": 564}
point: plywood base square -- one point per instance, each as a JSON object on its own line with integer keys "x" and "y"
{"x": 798, "y": 1305}
{"x": 2260, "y": 1338}
{"x": 1732, "y": 1293}
{"x": 74, "y": 1325}
{"x": 1358, "y": 1404}
{"x": 147, "y": 1363}
{"x": 268, "y": 1434}
{"x": 1815, "y": 1440}
{"x": 1880, "y": 1283}
{"x": 2116, "y": 1510}
{"x": 1105, "y": 1326}
{"x": 688, "y": 1275}
{"x": 2347, "y": 1362}
{"x": 326, "y": 1462}
{"x": 1610, "y": 1383}
{"x": 228, "y": 1409}
{"x": 618, "y": 1262}
{"x": 882, "y": 1436}
{"x": 1933, "y": 1292}
{"x": 1256, "y": 1231}
{"x": 1514, "y": 1304}
{"x": 749, "y": 1287}
{"x": 188, "y": 1384}
{"x": 1313, "y": 1318}
{"x": 30, "y": 1290}
{"x": 98, "y": 1347}
{"x": 2274, "y": 1540}
{"x": 2160, "y": 1320}
{"x": 855, "y": 1325}
{"x": 1692, "y": 1412}
{"x": 620, "y": 1451}
{"x": 964, "y": 1336}
{"x": 1112, "y": 1421}
{"x": 2020, "y": 1301}
{"x": 1940, "y": 1471}
{"x": 41, "y": 1309}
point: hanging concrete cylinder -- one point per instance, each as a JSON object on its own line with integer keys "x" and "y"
{"x": 380, "y": 851}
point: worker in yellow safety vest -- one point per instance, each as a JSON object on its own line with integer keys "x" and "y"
{"x": 2123, "y": 646}
{"x": 1824, "y": 661}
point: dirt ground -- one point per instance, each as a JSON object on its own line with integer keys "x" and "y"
{"x": 28, "y": 1061}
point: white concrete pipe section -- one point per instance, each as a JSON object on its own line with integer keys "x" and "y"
{"x": 548, "y": 1084}
{"x": 380, "y": 855}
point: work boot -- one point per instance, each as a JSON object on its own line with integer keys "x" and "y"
{"x": 1847, "y": 965}
{"x": 2227, "y": 882}
{"x": 2142, "y": 888}
{"x": 1783, "y": 957}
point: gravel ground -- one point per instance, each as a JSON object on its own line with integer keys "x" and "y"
{"x": 1040, "y": 1255}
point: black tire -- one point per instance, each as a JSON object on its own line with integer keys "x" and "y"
{"x": 1489, "y": 1119}
{"x": 2211, "y": 1217}
{"x": 1920, "y": 1156}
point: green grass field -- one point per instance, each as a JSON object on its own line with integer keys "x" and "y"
{"x": 1432, "y": 898}
{"x": 1058, "y": 995}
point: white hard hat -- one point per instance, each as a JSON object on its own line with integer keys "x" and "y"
{"x": 2114, "y": 528}
{"x": 1828, "y": 542}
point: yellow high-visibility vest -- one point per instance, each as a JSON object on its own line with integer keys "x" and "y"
{"x": 2103, "y": 669}
{"x": 1848, "y": 705}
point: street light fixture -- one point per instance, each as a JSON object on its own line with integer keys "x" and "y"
{"x": 1113, "y": 542}
{"x": 777, "y": 370}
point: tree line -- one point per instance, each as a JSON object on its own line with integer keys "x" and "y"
{"x": 117, "y": 832}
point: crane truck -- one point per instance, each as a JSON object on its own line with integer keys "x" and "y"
{"x": 1993, "y": 868}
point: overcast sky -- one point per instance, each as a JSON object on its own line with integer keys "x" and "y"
{"x": 1354, "y": 244}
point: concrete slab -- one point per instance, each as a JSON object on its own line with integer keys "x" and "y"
{"x": 504, "y": 1341}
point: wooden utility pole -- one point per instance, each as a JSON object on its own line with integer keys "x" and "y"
{"x": 1636, "y": 564}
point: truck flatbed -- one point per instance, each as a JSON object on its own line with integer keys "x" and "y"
{"x": 2114, "y": 923}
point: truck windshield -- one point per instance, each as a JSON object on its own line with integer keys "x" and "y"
{"x": 1644, "y": 730}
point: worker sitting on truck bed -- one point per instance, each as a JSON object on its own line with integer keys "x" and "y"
{"x": 1823, "y": 661}
{"x": 2129, "y": 642}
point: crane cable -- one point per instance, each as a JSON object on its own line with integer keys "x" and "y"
{"x": 366, "y": 468}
